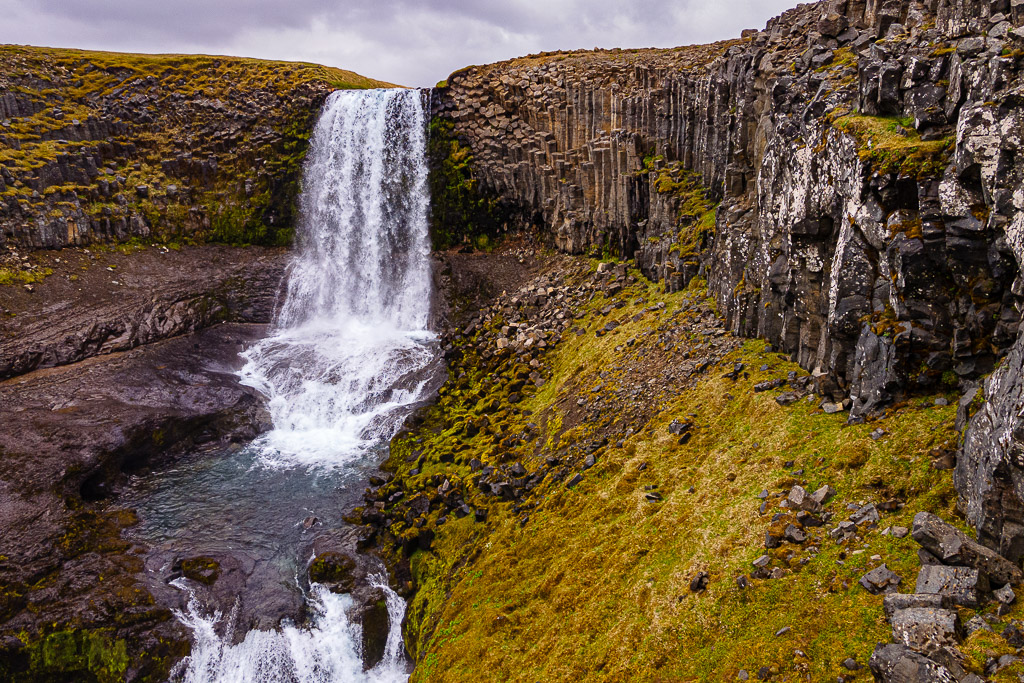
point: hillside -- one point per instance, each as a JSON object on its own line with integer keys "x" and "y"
{"x": 105, "y": 147}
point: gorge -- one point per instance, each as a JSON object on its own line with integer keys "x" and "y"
{"x": 662, "y": 364}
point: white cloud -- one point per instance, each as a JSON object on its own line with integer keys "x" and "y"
{"x": 412, "y": 43}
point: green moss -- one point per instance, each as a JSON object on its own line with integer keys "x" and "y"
{"x": 696, "y": 214}
{"x": 891, "y": 145}
{"x": 333, "y": 569}
{"x": 80, "y": 655}
{"x": 205, "y": 570}
{"x": 10, "y": 276}
{"x": 460, "y": 214}
{"x": 596, "y": 585}
{"x": 248, "y": 199}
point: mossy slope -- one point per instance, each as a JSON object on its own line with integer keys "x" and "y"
{"x": 592, "y": 581}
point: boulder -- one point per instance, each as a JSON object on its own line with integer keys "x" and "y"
{"x": 953, "y": 546}
{"x": 926, "y": 629}
{"x": 963, "y": 585}
{"x": 895, "y": 663}
{"x": 894, "y": 602}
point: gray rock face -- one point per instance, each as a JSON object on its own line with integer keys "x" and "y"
{"x": 886, "y": 276}
{"x": 989, "y": 474}
{"x": 954, "y": 547}
{"x": 926, "y": 629}
{"x": 895, "y": 663}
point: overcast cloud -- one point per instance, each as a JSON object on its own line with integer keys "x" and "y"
{"x": 401, "y": 41}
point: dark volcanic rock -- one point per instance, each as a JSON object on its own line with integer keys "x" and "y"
{"x": 894, "y": 663}
{"x": 69, "y": 432}
{"x": 952, "y": 546}
{"x": 153, "y": 296}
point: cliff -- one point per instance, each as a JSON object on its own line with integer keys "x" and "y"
{"x": 104, "y": 147}
{"x": 862, "y": 163}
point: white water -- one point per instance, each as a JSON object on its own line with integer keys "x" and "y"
{"x": 351, "y": 339}
{"x": 350, "y": 349}
{"x": 326, "y": 653}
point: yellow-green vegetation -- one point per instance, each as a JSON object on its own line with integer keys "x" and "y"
{"x": 892, "y": 145}
{"x": 75, "y": 655}
{"x": 243, "y": 125}
{"x": 595, "y": 585}
{"x": 12, "y": 276}
{"x": 696, "y": 209}
{"x": 841, "y": 58}
{"x": 205, "y": 570}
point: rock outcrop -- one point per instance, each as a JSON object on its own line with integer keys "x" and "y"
{"x": 862, "y": 156}
{"x": 102, "y": 147}
{"x": 862, "y": 160}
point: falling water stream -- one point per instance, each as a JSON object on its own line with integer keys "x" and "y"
{"x": 349, "y": 355}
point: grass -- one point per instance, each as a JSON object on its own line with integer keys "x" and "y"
{"x": 9, "y": 276}
{"x": 596, "y": 585}
{"x": 180, "y": 103}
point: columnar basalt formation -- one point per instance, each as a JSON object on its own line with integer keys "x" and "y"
{"x": 864, "y": 187}
{"x": 864, "y": 158}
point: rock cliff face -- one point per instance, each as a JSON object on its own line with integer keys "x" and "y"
{"x": 866, "y": 216}
{"x": 864, "y": 162}
{"x": 100, "y": 147}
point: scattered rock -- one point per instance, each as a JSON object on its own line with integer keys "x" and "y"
{"x": 881, "y": 579}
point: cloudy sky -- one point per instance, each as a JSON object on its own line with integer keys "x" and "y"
{"x": 410, "y": 42}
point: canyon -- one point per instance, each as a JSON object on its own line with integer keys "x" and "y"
{"x": 725, "y": 327}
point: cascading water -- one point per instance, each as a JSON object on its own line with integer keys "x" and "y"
{"x": 351, "y": 339}
{"x": 349, "y": 354}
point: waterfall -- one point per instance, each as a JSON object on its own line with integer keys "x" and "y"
{"x": 350, "y": 346}
{"x": 329, "y": 652}
{"x": 348, "y": 355}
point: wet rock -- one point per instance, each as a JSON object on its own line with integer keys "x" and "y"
{"x": 375, "y": 624}
{"x": 205, "y": 570}
{"x": 334, "y": 570}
